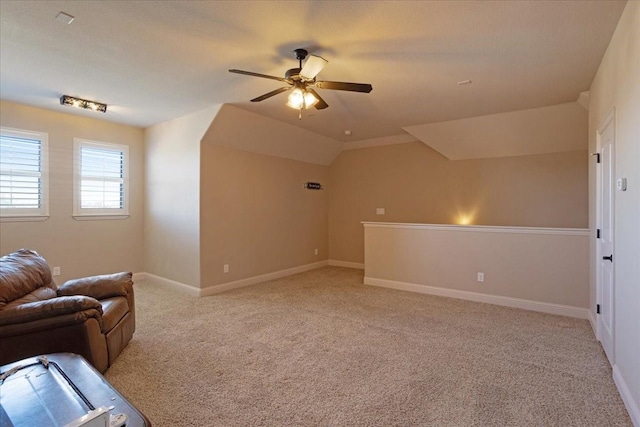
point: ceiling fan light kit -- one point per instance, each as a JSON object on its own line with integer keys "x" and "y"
{"x": 299, "y": 99}
{"x": 303, "y": 80}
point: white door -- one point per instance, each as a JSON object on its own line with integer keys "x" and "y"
{"x": 605, "y": 271}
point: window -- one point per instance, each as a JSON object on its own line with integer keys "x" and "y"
{"x": 23, "y": 175}
{"x": 101, "y": 179}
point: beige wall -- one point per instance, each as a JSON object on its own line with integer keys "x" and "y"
{"x": 80, "y": 248}
{"x": 617, "y": 86}
{"x": 415, "y": 184}
{"x": 172, "y": 208}
{"x": 256, "y": 216}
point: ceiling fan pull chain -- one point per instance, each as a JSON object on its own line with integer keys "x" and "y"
{"x": 302, "y": 107}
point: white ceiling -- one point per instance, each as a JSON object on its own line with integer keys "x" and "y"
{"x": 152, "y": 61}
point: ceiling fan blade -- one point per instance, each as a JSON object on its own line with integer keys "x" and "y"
{"x": 264, "y": 76}
{"x": 321, "y": 104}
{"x": 312, "y": 67}
{"x": 270, "y": 94}
{"x": 351, "y": 87}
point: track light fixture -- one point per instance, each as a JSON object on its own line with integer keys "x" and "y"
{"x": 83, "y": 103}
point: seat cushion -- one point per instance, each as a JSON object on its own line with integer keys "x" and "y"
{"x": 113, "y": 309}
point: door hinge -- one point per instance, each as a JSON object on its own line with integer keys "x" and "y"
{"x": 597, "y": 157}
{"x": 597, "y": 308}
{"x": 597, "y": 233}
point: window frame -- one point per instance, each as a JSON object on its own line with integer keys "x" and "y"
{"x": 8, "y": 214}
{"x": 80, "y": 213}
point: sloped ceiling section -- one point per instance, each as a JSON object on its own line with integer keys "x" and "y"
{"x": 553, "y": 129}
{"x": 241, "y": 129}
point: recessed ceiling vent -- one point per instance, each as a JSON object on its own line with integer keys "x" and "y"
{"x": 65, "y": 18}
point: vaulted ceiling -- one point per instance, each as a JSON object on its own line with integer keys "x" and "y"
{"x": 152, "y": 61}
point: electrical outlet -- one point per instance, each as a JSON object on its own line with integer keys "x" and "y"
{"x": 56, "y": 271}
{"x": 315, "y": 252}
{"x": 379, "y": 211}
{"x": 480, "y": 277}
{"x": 226, "y": 268}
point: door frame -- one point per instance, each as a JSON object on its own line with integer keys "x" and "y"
{"x": 609, "y": 119}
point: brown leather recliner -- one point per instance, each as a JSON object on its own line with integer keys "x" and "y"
{"x": 93, "y": 316}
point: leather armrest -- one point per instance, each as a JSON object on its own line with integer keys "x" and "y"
{"x": 49, "y": 309}
{"x": 99, "y": 287}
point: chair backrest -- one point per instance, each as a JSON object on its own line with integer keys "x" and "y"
{"x": 21, "y": 273}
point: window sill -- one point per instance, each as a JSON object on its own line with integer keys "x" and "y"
{"x": 25, "y": 218}
{"x": 99, "y": 217}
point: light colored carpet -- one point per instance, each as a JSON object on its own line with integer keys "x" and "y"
{"x": 321, "y": 348}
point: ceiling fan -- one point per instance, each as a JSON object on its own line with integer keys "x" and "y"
{"x": 303, "y": 80}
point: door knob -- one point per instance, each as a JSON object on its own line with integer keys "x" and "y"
{"x": 610, "y": 258}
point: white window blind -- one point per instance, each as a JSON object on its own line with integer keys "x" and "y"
{"x": 101, "y": 179}
{"x": 23, "y": 173}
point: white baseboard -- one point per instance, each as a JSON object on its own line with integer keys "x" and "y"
{"x": 594, "y": 325}
{"x": 167, "y": 283}
{"x": 632, "y": 406}
{"x": 336, "y": 263}
{"x": 563, "y": 310}
{"x": 216, "y": 289}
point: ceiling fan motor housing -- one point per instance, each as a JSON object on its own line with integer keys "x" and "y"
{"x": 293, "y": 74}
